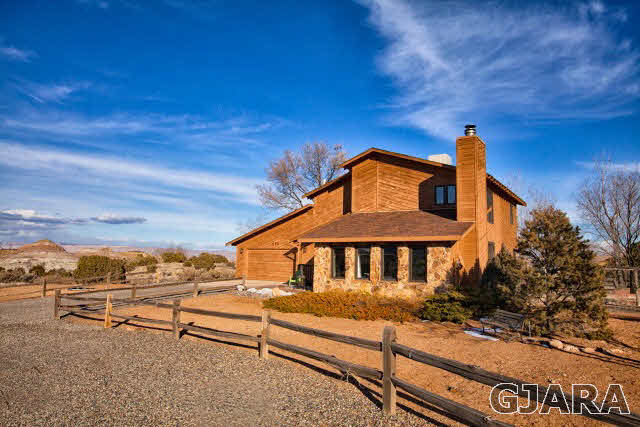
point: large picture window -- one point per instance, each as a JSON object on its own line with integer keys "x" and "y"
{"x": 363, "y": 266}
{"x": 389, "y": 263}
{"x": 337, "y": 263}
{"x": 417, "y": 264}
{"x": 445, "y": 194}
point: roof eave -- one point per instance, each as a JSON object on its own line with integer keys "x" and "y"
{"x": 267, "y": 225}
{"x": 449, "y": 238}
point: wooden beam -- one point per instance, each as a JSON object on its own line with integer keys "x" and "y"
{"x": 264, "y": 334}
{"x": 388, "y": 371}
{"x": 458, "y": 410}
{"x": 195, "y": 289}
{"x": 107, "y": 312}
{"x": 56, "y": 304}
{"x": 175, "y": 318}
{"x": 359, "y": 342}
{"x": 44, "y": 287}
{"x": 343, "y": 365}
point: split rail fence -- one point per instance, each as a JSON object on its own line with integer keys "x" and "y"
{"x": 388, "y": 346}
{"x": 107, "y": 279}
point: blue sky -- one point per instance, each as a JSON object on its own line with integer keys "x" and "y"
{"x": 150, "y": 123}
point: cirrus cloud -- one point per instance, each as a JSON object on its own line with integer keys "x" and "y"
{"x": 463, "y": 60}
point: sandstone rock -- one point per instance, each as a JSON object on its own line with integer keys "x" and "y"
{"x": 571, "y": 348}
{"x": 556, "y": 344}
{"x": 241, "y": 288}
{"x": 589, "y": 350}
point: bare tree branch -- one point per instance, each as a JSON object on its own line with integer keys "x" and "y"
{"x": 609, "y": 201}
{"x": 295, "y": 174}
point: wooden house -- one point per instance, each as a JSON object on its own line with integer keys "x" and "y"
{"x": 392, "y": 224}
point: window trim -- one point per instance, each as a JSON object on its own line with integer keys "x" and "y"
{"x": 333, "y": 262}
{"x": 411, "y": 278}
{"x": 385, "y": 279}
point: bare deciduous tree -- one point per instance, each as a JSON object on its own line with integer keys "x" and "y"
{"x": 296, "y": 173}
{"x": 609, "y": 201}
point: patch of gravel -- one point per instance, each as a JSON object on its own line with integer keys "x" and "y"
{"x": 57, "y": 373}
{"x": 27, "y": 310}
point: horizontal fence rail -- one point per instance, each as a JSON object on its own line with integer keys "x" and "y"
{"x": 388, "y": 346}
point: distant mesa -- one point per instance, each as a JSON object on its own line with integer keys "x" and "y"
{"x": 41, "y": 246}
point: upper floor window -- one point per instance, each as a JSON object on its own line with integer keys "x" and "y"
{"x": 337, "y": 262}
{"x": 363, "y": 257}
{"x": 445, "y": 194}
{"x": 390, "y": 263}
{"x": 489, "y": 206}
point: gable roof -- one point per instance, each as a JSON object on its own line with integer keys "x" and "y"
{"x": 416, "y": 226}
{"x": 349, "y": 163}
{"x": 373, "y": 150}
{"x": 315, "y": 191}
{"x": 269, "y": 224}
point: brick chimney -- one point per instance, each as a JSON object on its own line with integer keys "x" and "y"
{"x": 471, "y": 189}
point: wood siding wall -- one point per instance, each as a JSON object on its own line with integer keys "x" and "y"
{"x": 328, "y": 205}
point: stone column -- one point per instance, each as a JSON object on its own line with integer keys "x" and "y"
{"x": 438, "y": 265}
{"x": 403, "y": 264}
{"x": 376, "y": 258}
{"x": 350, "y": 265}
{"x": 321, "y": 267}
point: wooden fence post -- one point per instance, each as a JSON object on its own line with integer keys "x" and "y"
{"x": 107, "y": 312}
{"x": 175, "y": 318}
{"x": 195, "y": 289}
{"x": 264, "y": 336}
{"x": 56, "y": 304}
{"x": 44, "y": 287}
{"x": 635, "y": 280}
{"x": 388, "y": 370}
{"x": 133, "y": 290}
{"x": 109, "y": 279}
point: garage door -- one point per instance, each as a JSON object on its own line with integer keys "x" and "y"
{"x": 270, "y": 264}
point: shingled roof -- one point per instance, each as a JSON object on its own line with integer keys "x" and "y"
{"x": 407, "y": 226}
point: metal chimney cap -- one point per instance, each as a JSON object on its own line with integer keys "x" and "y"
{"x": 469, "y": 130}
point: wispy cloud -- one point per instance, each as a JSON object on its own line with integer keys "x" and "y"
{"x": 19, "y": 156}
{"x": 161, "y": 128}
{"x": 624, "y": 166}
{"x": 43, "y": 93}
{"x": 472, "y": 61}
{"x": 116, "y": 219}
{"x": 15, "y": 54}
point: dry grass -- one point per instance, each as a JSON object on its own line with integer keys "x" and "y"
{"x": 348, "y": 305}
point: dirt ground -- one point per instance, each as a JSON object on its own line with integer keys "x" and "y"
{"x": 35, "y": 291}
{"x": 530, "y": 362}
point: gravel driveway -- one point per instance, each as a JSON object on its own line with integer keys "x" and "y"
{"x": 58, "y": 373}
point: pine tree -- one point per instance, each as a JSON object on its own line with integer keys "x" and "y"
{"x": 562, "y": 287}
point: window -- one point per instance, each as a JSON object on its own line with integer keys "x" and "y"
{"x": 337, "y": 263}
{"x": 492, "y": 250}
{"x": 417, "y": 262}
{"x": 489, "y": 206}
{"x": 389, "y": 263}
{"x": 445, "y": 194}
{"x": 512, "y": 208}
{"x": 362, "y": 263}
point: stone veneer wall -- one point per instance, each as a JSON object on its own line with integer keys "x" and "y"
{"x": 439, "y": 262}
